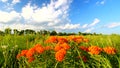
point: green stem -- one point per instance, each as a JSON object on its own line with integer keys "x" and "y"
{"x": 80, "y": 56}
{"x": 56, "y": 65}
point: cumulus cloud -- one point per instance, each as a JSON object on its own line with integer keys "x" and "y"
{"x": 7, "y": 17}
{"x": 53, "y": 15}
{"x": 112, "y": 25}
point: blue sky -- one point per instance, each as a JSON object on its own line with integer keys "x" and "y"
{"x": 100, "y": 16}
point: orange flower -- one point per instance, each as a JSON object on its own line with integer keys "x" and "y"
{"x": 109, "y": 50}
{"x": 65, "y": 46}
{"x": 85, "y": 40}
{"x": 30, "y": 59}
{"x": 23, "y": 52}
{"x": 47, "y": 48}
{"x": 51, "y": 39}
{"x": 57, "y": 47}
{"x": 77, "y": 39}
{"x": 30, "y": 52}
{"x": 84, "y": 58}
{"x": 18, "y": 56}
{"x": 83, "y": 48}
{"x": 60, "y": 55}
{"x": 62, "y": 40}
{"x": 95, "y": 50}
{"x": 38, "y": 48}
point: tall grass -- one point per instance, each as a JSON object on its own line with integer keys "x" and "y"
{"x": 11, "y": 45}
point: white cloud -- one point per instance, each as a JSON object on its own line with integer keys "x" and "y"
{"x": 6, "y": 17}
{"x": 112, "y": 25}
{"x": 96, "y": 20}
{"x": 53, "y": 14}
{"x": 85, "y": 25}
{"x": 50, "y": 16}
{"x": 100, "y": 2}
{"x": 15, "y": 1}
{"x": 89, "y": 30}
{"x": 68, "y": 26}
{"x": 4, "y": 1}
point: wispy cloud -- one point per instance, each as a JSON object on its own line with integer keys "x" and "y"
{"x": 89, "y": 30}
{"x": 100, "y": 2}
{"x": 113, "y": 25}
{"x": 15, "y": 1}
{"x": 68, "y": 26}
{"x": 85, "y": 26}
{"x": 4, "y": 1}
{"x": 96, "y": 20}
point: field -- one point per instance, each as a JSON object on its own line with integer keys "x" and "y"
{"x": 44, "y": 51}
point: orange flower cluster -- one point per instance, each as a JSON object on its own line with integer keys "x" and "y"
{"x": 94, "y": 50}
{"x": 30, "y": 52}
{"x": 60, "y": 46}
{"x": 56, "y": 39}
{"x": 60, "y": 49}
{"x": 109, "y": 50}
{"x": 51, "y": 39}
{"x": 59, "y": 55}
{"x": 84, "y": 48}
{"x": 78, "y": 39}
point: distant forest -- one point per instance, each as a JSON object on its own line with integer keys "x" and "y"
{"x": 41, "y": 32}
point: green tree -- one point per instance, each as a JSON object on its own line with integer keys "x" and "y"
{"x": 16, "y": 32}
{"x": 1, "y": 32}
{"x": 7, "y": 31}
{"x": 53, "y": 32}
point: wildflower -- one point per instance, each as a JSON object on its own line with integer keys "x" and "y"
{"x": 85, "y": 40}
{"x": 30, "y": 59}
{"x": 30, "y": 52}
{"x": 83, "y": 48}
{"x": 18, "y": 56}
{"x": 77, "y": 39}
{"x": 57, "y": 47}
{"x": 51, "y": 39}
{"x": 84, "y": 58}
{"x": 109, "y": 50}
{"x": 60, "y": 55}
{"x": 65, "y": 46}
{"x": 38, "y": 48}
{"x": 47, "y": 48}
{"x": 4, "y": 46}
{"x": 95, "y": 50}
{"x": 62, "y": 40}
{"x": 23, "y": 52}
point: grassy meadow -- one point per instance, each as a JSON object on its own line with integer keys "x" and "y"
{"x": 44, "y": 51}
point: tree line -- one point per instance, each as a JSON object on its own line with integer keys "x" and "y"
{"x": 40, "y": 32}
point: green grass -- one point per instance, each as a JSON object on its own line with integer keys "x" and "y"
{"x": 11, "y": 45}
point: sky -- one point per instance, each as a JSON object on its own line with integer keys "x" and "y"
{"x": 99, "y": 16}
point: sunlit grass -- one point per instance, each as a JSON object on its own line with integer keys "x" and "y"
{"x": 73, "y": 57}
